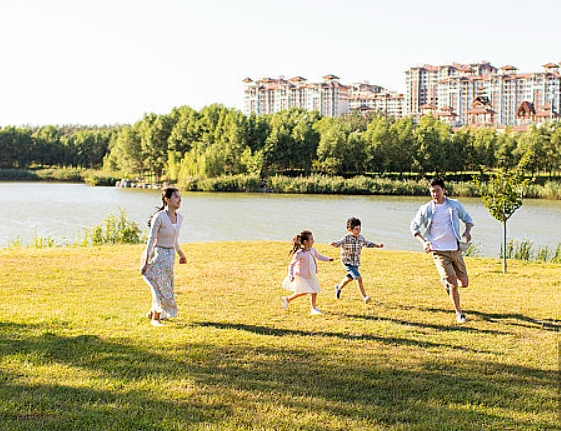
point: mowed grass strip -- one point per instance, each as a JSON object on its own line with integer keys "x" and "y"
{"x": 77, "y": 352}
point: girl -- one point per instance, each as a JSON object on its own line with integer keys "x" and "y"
{"x": 302, "y": 270}
{"x": 159, "y": 256}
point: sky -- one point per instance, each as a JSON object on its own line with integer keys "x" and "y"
{"x": 106, "y": 62}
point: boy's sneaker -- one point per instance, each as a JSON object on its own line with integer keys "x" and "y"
{"x": 284, "y": 301}
{"x": 461, "y": 318}
{"x": 367, "y": 299}
{"x": 337, "y": 292}
{"x": 315, "y": 311}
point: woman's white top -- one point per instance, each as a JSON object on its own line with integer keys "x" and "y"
{"x": 163, "y": 233}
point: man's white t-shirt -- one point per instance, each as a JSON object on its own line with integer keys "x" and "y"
{"x": 441, "y": 234}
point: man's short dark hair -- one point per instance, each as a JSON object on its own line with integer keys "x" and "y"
{"x": 437, "y": 181}
{"x": 353, "y": 222}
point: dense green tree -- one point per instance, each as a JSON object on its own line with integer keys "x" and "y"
{"x": 186, "y": 130}
{"x": 357, "y": 122}
{"x": 530, "y": 146}
{"x": 258, "y": 129}
{"x": 506, "y": 156}
{"x": 403, "y": 145}
{"x": 485, "y": 148}
{"x": 333, "y": 146}
{"x": 461, "y": 154}
{"x": 433, "y": 139}
{"x": 91, "y": 147}
{"x": 154, "y": 131}
{"x": 292, "y": 141}
{"x": 379, "y": 141}
{"x": 15, "y": 146}
{"x": 126, "y": 153}
{"x": 50, "y": 150}
{"x": 553, "y": 150}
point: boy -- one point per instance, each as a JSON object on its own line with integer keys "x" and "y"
{"x": 351, "y": 245}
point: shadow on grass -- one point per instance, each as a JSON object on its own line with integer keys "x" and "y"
{"x": 520, "y": 320}
{"x": 512, "y": 319}
{"x": 210, "y": 386}
{"x": 441, "y": 328}
{"x": 265, "y": 330}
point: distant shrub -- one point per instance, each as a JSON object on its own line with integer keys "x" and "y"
{"x": 73, "y": 175}
{"x": 115, "y": 229}
{"x": 17, "y": 175}
{"x": 230, "y": 183}
{"x": 100, "y": 178}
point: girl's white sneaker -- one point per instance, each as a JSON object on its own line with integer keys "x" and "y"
{"x": 315, "y": 311}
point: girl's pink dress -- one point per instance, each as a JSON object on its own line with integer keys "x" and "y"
{"x": 308, "y": 284}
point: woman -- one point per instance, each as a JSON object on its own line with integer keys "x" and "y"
{"x": 159, "y": 257}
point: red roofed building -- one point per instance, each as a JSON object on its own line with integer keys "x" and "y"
{"x": 267, "y": 95}
{"x": 480, "y": 94}
{"x": 365, "y": 97}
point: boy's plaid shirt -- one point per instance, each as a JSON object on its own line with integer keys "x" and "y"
{"x": 350, "y": 248}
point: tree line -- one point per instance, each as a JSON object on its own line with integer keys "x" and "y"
{"x": 218, "y": 141}
{"x": 66, "y": 146}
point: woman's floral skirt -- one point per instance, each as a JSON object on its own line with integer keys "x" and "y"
{"x": 159, "y": 276}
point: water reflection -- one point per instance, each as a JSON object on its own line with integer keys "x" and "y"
{"x": 62, "y": 210}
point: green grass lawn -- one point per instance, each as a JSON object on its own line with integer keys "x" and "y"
{"x": 77, "y": 352}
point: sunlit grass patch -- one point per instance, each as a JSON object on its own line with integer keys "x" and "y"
{"x": 77, "y": 352}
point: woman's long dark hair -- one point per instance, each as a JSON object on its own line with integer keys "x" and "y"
{"x": 166, "y": 194}
{"x": 297, "y": 241}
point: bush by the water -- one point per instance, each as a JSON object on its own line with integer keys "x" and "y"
{"x": 358, "y": 185}
{"x": 524, "y": 250}
{"x": 115, "y": 229}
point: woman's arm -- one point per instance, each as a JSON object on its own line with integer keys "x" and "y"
{"x": 182, "y": 258}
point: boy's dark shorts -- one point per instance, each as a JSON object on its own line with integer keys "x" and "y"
{"x": 352, "y": 271}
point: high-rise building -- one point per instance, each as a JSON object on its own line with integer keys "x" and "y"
{"x": 267, "y": 95}
{"x": 365, "y": 97}
{"x": 481, "y": 94}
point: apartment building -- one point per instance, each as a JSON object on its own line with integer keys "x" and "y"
{"x": 365, "y": 97}
{"x": 480, "y": 94}
{"x": 268, "y": 95}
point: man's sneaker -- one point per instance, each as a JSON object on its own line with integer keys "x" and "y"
{"x": 367, "y": 299}
{"x": 461, "y": 318}
{"x": 284, "y": 301}
{"x": 315, "y": 311}
{"x": 337, "y": 292}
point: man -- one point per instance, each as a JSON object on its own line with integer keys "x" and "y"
{"x": 440, "y": 220}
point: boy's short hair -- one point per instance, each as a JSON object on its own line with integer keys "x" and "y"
{"x": 353, "y": 222}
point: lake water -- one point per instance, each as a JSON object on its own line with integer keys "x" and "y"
{"x": 61, "y": 211}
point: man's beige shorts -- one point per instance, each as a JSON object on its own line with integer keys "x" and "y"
{"x": 450, "y": 264}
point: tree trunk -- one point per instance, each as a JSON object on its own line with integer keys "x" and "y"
{"x": 504, "y": 245}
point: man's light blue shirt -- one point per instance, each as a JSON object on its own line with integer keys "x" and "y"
{"x": 424, "y": 216}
